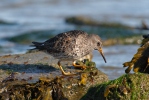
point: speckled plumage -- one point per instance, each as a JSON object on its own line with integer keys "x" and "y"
{"x": 71, "y": 45}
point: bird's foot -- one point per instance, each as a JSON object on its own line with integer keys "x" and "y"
{"x": 80, "y": 65}
{"x": 63, "y": 72}
{"x": 67, "y": 73}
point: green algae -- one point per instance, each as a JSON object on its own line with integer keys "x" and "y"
{"x": 87, "y": 63}
{"x": 126, "y": 87}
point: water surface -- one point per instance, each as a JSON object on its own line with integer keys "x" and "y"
{"x": 115, "y": 55}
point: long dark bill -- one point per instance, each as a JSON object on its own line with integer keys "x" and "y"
{"x": 100, "y": 50}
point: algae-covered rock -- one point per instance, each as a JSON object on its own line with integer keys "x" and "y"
{"x": 35, "y": 76}
{"x": 28, "y": 37}
{"x": 140, "y": 61}
{"x": 82, "y": 20}
{"x": 127, "y": 87}
{"x": 48, "y": 88}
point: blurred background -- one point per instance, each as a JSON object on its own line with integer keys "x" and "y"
{"x": 120, "y": 24}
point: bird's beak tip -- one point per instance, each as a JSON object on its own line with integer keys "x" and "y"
{"x": 100, "y": 50}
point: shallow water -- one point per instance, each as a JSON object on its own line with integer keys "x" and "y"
{"x": 115, "y": 56}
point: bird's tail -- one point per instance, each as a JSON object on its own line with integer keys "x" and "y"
{"x": 38, "y": 46}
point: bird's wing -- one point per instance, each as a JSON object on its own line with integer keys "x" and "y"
{"x": 67, "y": 42}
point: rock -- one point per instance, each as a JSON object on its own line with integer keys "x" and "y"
{"x": 83, "y": 20}
{"x": 126, "y": 87}
{"x": 35, "y": 75}
{"x": 80, "y": 20}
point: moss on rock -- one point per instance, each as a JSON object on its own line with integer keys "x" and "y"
{"x": 126, "y": 87}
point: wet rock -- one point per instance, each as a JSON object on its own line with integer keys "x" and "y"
{"x": 59, "y": 88}
{"x": 126, "y": 87}
{"x": 36, "y": 75}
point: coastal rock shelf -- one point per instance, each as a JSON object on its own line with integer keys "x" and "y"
{"x": 36, "y": 75}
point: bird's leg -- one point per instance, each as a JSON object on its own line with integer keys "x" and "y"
{"x": 63, "y": 72}
{"x": 79, "y": 66}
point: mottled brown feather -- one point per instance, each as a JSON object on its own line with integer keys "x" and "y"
{"x": 70, "y": 45}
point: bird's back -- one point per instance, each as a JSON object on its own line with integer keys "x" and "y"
{"x": 72, "y": 44}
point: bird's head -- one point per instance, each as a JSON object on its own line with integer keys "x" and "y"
{"x": 97, "y": 44}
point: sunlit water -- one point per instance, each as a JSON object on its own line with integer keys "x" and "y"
{"x": 50, "y": 14}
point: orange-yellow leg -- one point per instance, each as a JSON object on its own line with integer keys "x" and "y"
{"x": 78, "y": 66}
{"x": 63, "y": 72}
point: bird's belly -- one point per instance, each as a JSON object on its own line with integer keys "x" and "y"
{"x": 64, "y": 56}
{"x": 88, "y": 56}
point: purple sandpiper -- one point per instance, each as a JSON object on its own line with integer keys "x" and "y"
{"x": 71, "y": 46}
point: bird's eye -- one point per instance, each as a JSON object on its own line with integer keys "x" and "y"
{"x": 98, "y": 43}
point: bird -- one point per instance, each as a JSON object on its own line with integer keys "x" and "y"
{"x": 72, "y": 46}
